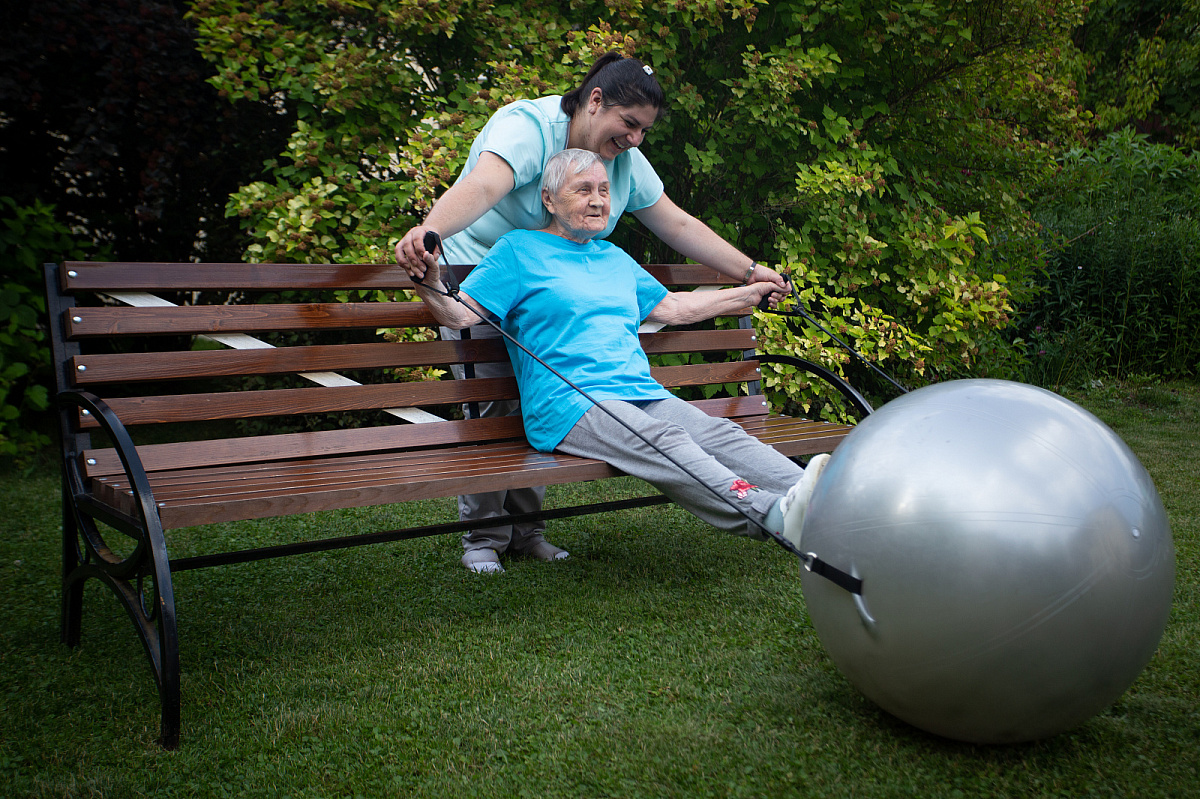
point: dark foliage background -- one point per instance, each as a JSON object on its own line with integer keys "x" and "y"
{"x": 106, "y": 114}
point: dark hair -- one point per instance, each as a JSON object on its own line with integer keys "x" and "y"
{"x": 622, "y": 81}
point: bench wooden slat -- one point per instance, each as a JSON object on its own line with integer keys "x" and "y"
{"x": 261, "y": 479}
{"x": 796, "y": 437}
{"x": 388, "y": 488}
{"x": 78, "y": 276}
{"x": 706, "y": 374}
{"x": 146, "y": 366}
{"x": 120, "y": 276}
{"x": 106, "y": 321}
{"x": 86, "y": 322}
{"x": 297, "y": 401}
{"x": 285, "y": 446}
{"x": 674, "y": 341}
{"x": 255, "y": 480}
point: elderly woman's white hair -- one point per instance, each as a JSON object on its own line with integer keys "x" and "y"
{"x": 564, "y": 163}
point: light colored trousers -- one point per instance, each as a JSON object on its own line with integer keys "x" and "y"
{"x": 480, "y": 507}
{"x": 717, "y": 451}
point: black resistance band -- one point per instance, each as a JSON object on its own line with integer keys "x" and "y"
{"x": 765, "y": 306}
{"x": 849, "y": 582}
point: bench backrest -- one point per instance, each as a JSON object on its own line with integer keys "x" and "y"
{"x": 189, "y": 343}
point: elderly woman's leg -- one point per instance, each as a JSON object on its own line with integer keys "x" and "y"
{"x": 748, "y": 477}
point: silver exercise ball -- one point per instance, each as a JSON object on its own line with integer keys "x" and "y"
{"x": 1016, "y": 561}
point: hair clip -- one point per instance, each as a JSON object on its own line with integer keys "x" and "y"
{"x": 647, "y": 70}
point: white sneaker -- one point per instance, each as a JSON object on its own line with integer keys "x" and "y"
{"x": 544, "y": 550}
{"x": 482, "y": 561}
{"x": 794, "y": 504}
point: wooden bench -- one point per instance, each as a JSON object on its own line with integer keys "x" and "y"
{"x": 133, "y": 345}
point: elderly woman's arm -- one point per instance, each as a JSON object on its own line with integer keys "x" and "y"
{"x": 686, "y": 307}
{"x": 448, "y": 311}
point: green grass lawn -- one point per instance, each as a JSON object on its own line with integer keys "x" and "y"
{"x": 662, "y": 659}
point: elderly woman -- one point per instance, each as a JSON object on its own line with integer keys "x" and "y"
{"x": 498, "y": 191}
{"x": 576, "y": 302}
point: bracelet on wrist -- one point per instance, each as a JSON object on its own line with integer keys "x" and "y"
{"x": 749, "y": 274}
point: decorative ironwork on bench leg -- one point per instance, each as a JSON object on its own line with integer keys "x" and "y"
{"x": 141, "y": 580}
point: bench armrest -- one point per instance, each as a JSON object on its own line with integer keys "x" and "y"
{"x": 126, "y": 450}
{"x": 852, "y": 396}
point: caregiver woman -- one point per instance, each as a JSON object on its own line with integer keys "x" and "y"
{"x": 500, "y": 190}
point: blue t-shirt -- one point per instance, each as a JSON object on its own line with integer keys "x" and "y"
{"x": 577, "y": 307}
{"x": 525, "y": 134}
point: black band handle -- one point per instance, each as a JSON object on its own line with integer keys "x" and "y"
{"x": 765, "y": 303}
{"x": 433, "y": 243}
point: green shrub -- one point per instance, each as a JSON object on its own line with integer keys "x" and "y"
{"x": 1121, "y": 290}
{"x": 880, "y": 153}
{"x": 29, "y": 236}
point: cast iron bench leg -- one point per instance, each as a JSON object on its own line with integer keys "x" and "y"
{"x": 141, "y": 580}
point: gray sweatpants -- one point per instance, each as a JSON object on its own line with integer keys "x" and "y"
{"x": 719, "y": 452}
{"x": 481, "y": 507}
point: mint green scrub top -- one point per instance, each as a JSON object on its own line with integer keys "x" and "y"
{"x": 525, "y": 134}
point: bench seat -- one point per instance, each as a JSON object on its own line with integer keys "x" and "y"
{"x": 252, "y": 488}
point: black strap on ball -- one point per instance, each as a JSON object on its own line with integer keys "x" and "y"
{"x": 833, "y": 574}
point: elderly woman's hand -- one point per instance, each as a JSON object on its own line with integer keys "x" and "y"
{"x": 764, "y": 289}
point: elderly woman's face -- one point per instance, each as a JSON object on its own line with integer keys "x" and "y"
{"x": 580, "y": 208}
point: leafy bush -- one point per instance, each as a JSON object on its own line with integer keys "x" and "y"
{"x": 878, "y": 152}
{"x": 29, "y": 237}
{"x": 1121, "y": 290}
{"x": 1139, "y": 67}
